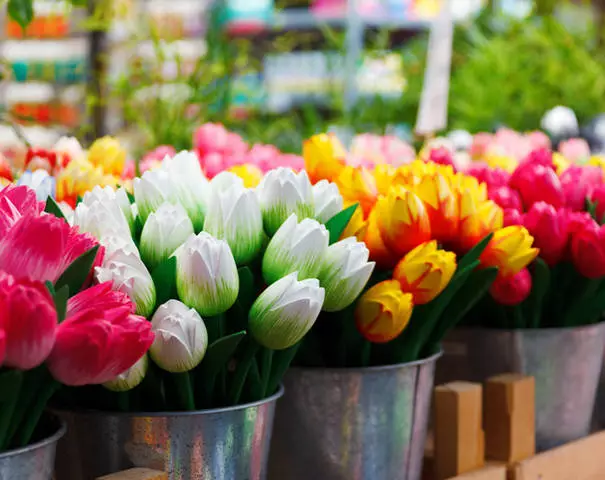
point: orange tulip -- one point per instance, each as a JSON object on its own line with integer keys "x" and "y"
{"x": 425, "y": 272}
{"x": 402, "y": 220}
{"x": 379, "y": 252}
{"x": 324, "y": 157}
{"x": 477, "y": 220}
{"x": 383, "y": 312}
{"x": 442, "y": 205}
{"x": 357, "y": 184}
{"x": 510, "y": 249}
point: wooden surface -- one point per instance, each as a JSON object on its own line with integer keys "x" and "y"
{"x": 491, "y": 472}
{"x": 136, "y": 474}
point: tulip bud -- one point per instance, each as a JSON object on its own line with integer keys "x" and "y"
{"x": 224, "y": 181}
{"x": 442, "y": 205}
{"x": 511, "y": 290}
{"x": 549, "y": 227}
{"x": 536, "y": 182}
{"x": 285, "y": 311}
{"x": 588, "y": 249}
{"x": 425, "y": 272}
{"x": 357, "y": 184}
{"x": 154, "y": 188}
{"x": 234, "y": 216}
{"x": 102, "y": 212}
{"x": 384, "y": 258}
{"x": 39, "y": 181}
{"x": 324, "y": 156}
{"x": 129, "y": 275}
{"x": 512, "y": 217}
{"x": 577, "y": 183}
{"x": 107, "y": 196}
{"x": 383, "y": 312}
{"x": 296, "y": 247}
{"x": 250, "y": 174}
{"x": 478, "y": 218}
{"x": 510, "y": 249}
{"x": 181, "y": 338}
{"x": 206, "y": 277}
{"x": 130, "y": 378}
{"x": 506, "y": 197}
{"x": 282, "y": 193}
{"x": 107, "y": 153}
{"x": 345, "y": 273}
{"x": 327, "y": 199}
{"x": 165, "y": 230}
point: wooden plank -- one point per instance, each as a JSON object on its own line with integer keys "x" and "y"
{"x": 136, "y": 474}
{"x": 491, "y": 472}
{"x": 580, "y": 460}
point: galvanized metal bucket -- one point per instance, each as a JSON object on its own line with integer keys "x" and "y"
{"x": 566, "y": 363}
{"x": 35, "y": 461}
{"x": 221, "y": 444}
{"x": 353, "y": 424}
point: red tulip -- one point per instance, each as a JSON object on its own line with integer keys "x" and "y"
{"x": 492, "y": 177}
{"x": 512, "y": 217}
{"x": 578, "y": 183}
{"x": 549, "y": 227}
{"x": 588, "y": 250}
{"x": 598, "y": 197}
{"x": 506, "y": 197}
{"x": 99, "y": 339}
{"x": 512, "y": 290}
{"x": 539, "y": 156}
{"x": 536, "y": 183}
{"x": 28, "y": 321}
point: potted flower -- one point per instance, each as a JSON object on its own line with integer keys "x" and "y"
{"x": 55, "y": 329}
{"x": 231, "y": 280}
{"x": 364, "y": 374}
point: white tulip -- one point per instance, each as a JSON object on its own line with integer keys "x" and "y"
{"x": 206, "y": 275}
{"x": 164, "y": 231}
{"x": 296, "y": 247}
{"x": 224, "y": 181}
{"x": 69, "y": 146}
{"x": 101, "y": 218}
{"x": 129, "y": 275}
{"x": 285, "y": 311}
{"x": 107, "y": 195}
{"x": 40, "y": 181}
{"x": 282, "y": 192}
{"x": 181, "y": 338}
{"x": 328, "y": 200}
{"x": 345, "y": 273}
{"x": 151, "y": 190}
{"x": 114, "y": 242}
{"x": 234, "y": 216}
{"x": 130, "y": 378}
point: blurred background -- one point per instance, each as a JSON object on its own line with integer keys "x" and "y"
{"x": 278, "y": 71}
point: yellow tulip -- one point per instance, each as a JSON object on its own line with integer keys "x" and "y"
{"x": 560, "y": 162}
{"x": 442, "y": 205}
{"x": 477, "y": 219}
{"x": 79, "y": 177}
{"x": 496, "y": 160}
{"x": 357, "y": 226}
{"x": 250, "y": 174}
{"x": 425, "y": 272}
{"x": 379, "y": 252}
{"x": 510, "y": 249}
{"x": 324, "y": 157}
{"x": 108, "y": 154}
{"x": 357, "y": 185}
{"x": 384, "y": 174}
{"x": 383, "y": 312}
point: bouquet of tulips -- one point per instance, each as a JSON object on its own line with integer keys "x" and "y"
{"x": 438, "y": 243}
{"x": 55, "y": 328}
{"x": 230, "y": 278}
{"x": 563, "y": 207}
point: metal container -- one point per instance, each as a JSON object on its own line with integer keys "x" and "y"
{"x": 566, "y": 363}
{"x": 221, "y": 444}
{"x": 35, "y": 461}
{"x": 353, "y": 424}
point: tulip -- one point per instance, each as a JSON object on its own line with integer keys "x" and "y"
{"x": 402, "y": 220}
{"x": 441, "y": 156}
{"x": 511, "y": 290}
{"x": 28, "y": 320}
{"x": 425, "y": 272}
{"x": 575, "y": 149}
{"x": 345, "y": 273}
{"x": 506, "y": 197}
{"x": 442, "y": 206}
{"x": 251, "y": 175}
{"x": 492, "y": 177}
{"x": 224, "y": 181}
{"x": 154, "y": 188}
{"x": 69, "y": 148}
{"x": 40, "y": 181}
{"x": 281, "y": 193}
{"x": 130, "y": 378}
{"x": 111, "y": 203}
{"x": 577, "y": 183}
{"x": 477, "y": 219}
{"x": 357, "y": 226}
{"x": 181, "y": 338}
{"x": 598, "y": 198}
{"x": 379, "y": 253}
{"x": 357, "y": 184}
{"x": 108, "y": 154}
{"x": 510, "y": 249}
{"x": 296, "y": 247}
{"x": 536, "y": 182}
{"x": 234, "y": 215}
{"x": 588, "y": 250}
{"x": 512, "y": 217}
{"x": 23, "y": 199}
{"x": 99, "y": 339}
{"x": 383, "y": 312}
{"x": 327, "y": 199}
{"x": 210, "y": 137}
{"x": 549, "y": 227}
{"x": 324, "y": 157}
{"x": 165, "y": 230}
{"x": 207, "y": 277}
{"x": 285, "y": 311}
{"x": 129, "y": 275}
{"x": 384, "y": 174}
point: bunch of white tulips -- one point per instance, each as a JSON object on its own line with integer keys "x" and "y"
{"x": 194, "y": 254}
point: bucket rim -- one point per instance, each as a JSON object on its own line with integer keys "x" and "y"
{"x": 374, "y": 369}
{"x": 45, "y": 442}
{"x": 576, "y": 328}
{"x": 176, "y": 413}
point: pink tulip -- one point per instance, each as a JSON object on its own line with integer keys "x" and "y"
{"x": 549, "y": 227}
{"x": 506, "y": 197}
{"x": 538, "y": 140}
{"x": 441, "y": 156}
{"x": 100, "y": 338}
{"x": 28, "y": 321}
{"x": 481, "y": 142}
{"x": 210, "y": 138}
{"x": 536, "y": 182}
{"x": 578, "y": 182}
{"x": 588, "y": 250}
{"x": 511, "y": 290}
{"x": 263, "y": 156}
{"x": 492, "y": 177}
{"x": 575, "y": 149}
{"x": 212, "y": 164}
{"x": 512, "y": 217}
{"x": 16, "y": 202}
{"x": 159, "y": 153}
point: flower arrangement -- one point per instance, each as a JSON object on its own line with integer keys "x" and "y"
{"x": 55, "y": 328}
{"x": 230, "y": 278}
{"x": 438, "y": 243}
{"x": 562, "y": 207}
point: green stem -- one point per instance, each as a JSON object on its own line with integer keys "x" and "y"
{"x": 33, "y": 416}
{"x": 11, "y": 384}
{"x": 241, "y": 371}
{"x": 267, "y": 360}
{"x": 280, "y": 364}
{"x": 366, "y": 351}
{"x": 184, "y": 390}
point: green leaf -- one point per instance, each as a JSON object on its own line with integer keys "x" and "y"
{"x": 60, "y": 298}
{"x": 337, "y": 224}
{"x": 76, "y": 274}
{"x": 540, "y": 286}
{"x": 474, "y": 253}
{"x": 477, "y": 285}
{"x": 246, "y": 295}
{"x": 130, "y": 196}
{"x": 79, "y": 200}
{"x": 164, "y": 278}
{"x": 10, "y": 387}
{"x": 21, "y": 11}
{"x": 53, "y": 208}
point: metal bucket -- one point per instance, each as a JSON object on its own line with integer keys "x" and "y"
{"x": 221, "y": 444}
{"x": 566, "y": 363}
{"x": 353, "y": 424}
{"x": 35, "y": 461}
